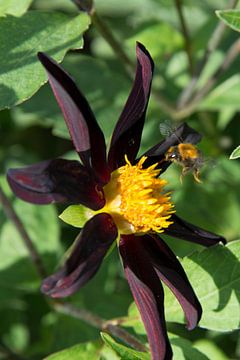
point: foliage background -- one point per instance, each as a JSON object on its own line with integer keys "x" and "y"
{"x": 34, "y": 130}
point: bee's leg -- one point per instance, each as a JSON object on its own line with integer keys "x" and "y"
{"x": 185, "y": 170}
{"x": 196, "y": 174}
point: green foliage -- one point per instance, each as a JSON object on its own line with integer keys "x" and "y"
{"x": 235, "y": 154}
{"x": 88, "y": 351}
{"x": 94, "y": 78}
{"x": 182, "y": 349}
{"x": 75, "y": 215}
{"x": 14, "y": 7}
{"x": 157, "y": 45}
{"x": 125, "y": 352}
{"x": 16, "y": 269}
{"x": 215, "y": 276}
{"x": 230, "y": 17}
{"x": 21, "y": 38}
{"x": 208, "y": 348}
{"x": 34, "y": 130}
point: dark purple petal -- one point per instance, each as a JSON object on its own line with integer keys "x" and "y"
{"x": 85, "y": 132}
{"x": 148, "y": 294}
{"x": 183, "y": 133}
{"x": 88, "y": 253}
{"x": 186, "y": 231}
{"x": 56, "y": 180}
{"x": 128, "y": 130}
{"x": 172, "y": 274}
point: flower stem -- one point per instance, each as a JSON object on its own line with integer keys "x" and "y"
{"x": 111, "y": 40}
{"x": 12, "y": 215}
{"x": 213, "y": 43}
{"x": 188, "y": 47}
{"x": 96, "y": 321}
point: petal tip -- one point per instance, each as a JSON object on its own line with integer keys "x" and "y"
{"x": 43, "y": 57}
{"x": 140, "y": 51}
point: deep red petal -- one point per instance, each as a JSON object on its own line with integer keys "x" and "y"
{"x": 173, "y": 275}
{"x": 128, "y": 130}
{"x": 148, "y": 294}
{"x": 85, "y": 132}
{"x": 186, "y": 231}
{"x": 92, "y": 245}
{"x": 183, "y": 133}
{"x": 56, "y": 180}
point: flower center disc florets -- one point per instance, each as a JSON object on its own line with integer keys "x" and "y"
{"x": 135, "y": 199}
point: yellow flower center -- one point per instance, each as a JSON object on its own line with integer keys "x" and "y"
{"x": 135, "y": 199}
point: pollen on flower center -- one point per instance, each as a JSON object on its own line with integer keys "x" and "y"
{"x": 135, "y": 199}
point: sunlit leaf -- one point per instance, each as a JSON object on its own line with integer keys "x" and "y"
{"x": 75, "y": 215}
{"x": 88, "y": 351}
{"x": 215, "y": 276}
{"x": 223, "y": 97}
{"x": 158, "y": 45}
{"x": 236, "y": 153}
{"x": 182, "y": 349}
{"x": 125, "y": 352}
{"x": 14, "y": 7}
{"x": 20, "y": 40}
{"x": 230, "y": 17}
{"x": 210, "y": 349}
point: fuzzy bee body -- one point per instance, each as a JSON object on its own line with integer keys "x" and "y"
{"x": 188, "y": 156}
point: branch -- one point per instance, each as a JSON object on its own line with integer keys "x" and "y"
{"x": 99, "y": 323}
{"x": 188, "y": 47}
{"x": 231, "y": 55}
{"x": 111, "y": 40}
{"x": 12, "y": 215}
{"x": 213, "y": 43}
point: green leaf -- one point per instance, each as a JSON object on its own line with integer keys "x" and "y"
{"x": 235, "y": 154}
{"x": 88, "y": 351}
{"x": 208, "y": 348}
{"x": 158, "y": 45}
{"x": 40, "y": 222}
{"x": 85, "y": 351}
{"x": 14, "y": 7}
{"x": 223, "y": 97}
{"x": 215, "y": 277}
{"x": 125, "y": 352}
{"x": 183, "y": 349}
{"x": 76, "y": 215}
{"x": 230, "y": 17}
{"x": 20, "y": 40}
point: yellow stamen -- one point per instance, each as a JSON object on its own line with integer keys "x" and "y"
{"x": 135, "y": 199}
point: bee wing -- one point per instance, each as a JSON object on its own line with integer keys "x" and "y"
{"x": 193, "y": 138}
{"x": 166, "y": 128}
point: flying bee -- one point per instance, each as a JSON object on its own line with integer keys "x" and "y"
{"x": 187, "y": 155}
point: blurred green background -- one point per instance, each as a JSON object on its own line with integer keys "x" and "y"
{"x": 35, "y": 130}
